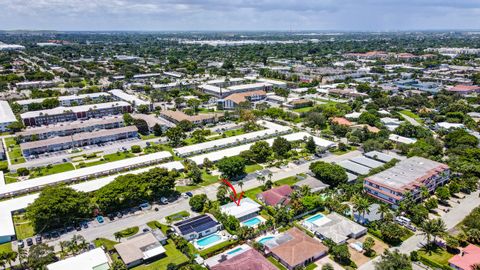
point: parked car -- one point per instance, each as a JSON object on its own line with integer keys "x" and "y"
{"x": 78, "y": 228}
{"x": 119, "y": 215}
{"x": 189, "y": 194}
{"x": 20, "y": 244}
{"x": 100, "y": 219}
{"x": 55, "y": 234}
{"x": 70, "y": 228}
{"x": 164, "y": 200}
{"x": 146, "y": 230}
{"x": 85, "y": 225}
{"x": 38, "y": 239}
{"x": 29, "y": 241}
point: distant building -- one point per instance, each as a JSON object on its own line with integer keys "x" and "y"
{"x": 203, "y": 118}
{"x": 463, "y": 89}
{"x": 197, "y": 227}
{"x": 94, "y": 259}
{"x": 299, "y": 103}
{"x": 132, "y": 99}
{"x": 408, "y": 175}
{"x": 233, "y": 100}
{"x": 72, "y": 100}
{"x": 6, "y": 116}
{"x": 341, "y": 121}
{"x": 465, "y": 260}
{"x": 66, "y": 114}
{"x": 78, "y": 140}
{"x": 36, "y": 84}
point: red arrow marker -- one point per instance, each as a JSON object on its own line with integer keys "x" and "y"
{"x": 234, "y": 197}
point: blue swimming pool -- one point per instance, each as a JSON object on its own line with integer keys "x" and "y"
{"x": 234, "y": 251}
{"x": 314, "y": 218}
{"x": 209, "y": 240}
{"x": 265, "y": 239}
{"x": 252, "y": 222}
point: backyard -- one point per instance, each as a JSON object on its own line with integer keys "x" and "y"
{"x": 173, "y": 255}
{"x": 14, "y": 152}
{"x": 23, "y": 227}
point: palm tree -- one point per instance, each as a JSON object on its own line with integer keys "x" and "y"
{"x": 424, "y": 192}
{"x": 63, "y": 245}
{"x": 432, "y": 227}
{"x": 11, "y": 257}
{"x": 361, "y": 205}
{"x": 383, "y": 209}
{"x": 270, "y": 175}
{"x": 473, "y": 235}
{"x": 22, "y": 255}
{"x": 240, "y": 184}
{"x": 261, "y": 179}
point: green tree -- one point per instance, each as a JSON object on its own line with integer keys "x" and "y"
{"x": 142, "y": 126}
{"x": 175, "y": 136}
{"x": 340, "y": 253}
{"x": 128, "y": 119}
{"x": 136, "y": 149}
{"x": 231, "y": 167}
{"x": 57, "y": 206}
{"x": 328, "y": 173}
{"x": 443, "y": 193}
{"x": 281, "y": 146}
{"x": 157, "y": 130}
{"x": 40, "y": 255}
{"x": 261, "y": 151}
{"x": 432, "y": 228}
{"x": 361, "y": 205}
{"x": 310, "y": 145}
{"x": 368, "y": 245}
{"x": 197, "y": 202}
{"x": 393, "y": 260}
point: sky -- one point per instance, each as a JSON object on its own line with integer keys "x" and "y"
{"x": 236, "y": 15}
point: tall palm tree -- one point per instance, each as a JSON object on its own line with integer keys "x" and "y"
{"x": 240, "y": 184}
{"x": 63, "y": 245}
{"x": 22, "y": 255}
{"x": 433, "y": 228}
{"x": 361, "y": 205}
{"x": 11, "y": 257}
{"x": 383, "y": 209}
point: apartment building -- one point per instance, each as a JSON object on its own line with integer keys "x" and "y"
{"x": 78, "y": 140}
{"x": 407, "y": 176}
{"x": 6, "y": 116}
{"x": 233, "y": 100}
{"x": 71, "y": 100}
{"x": 178, "y": 116}
{"x": 70, "y": 128}
{"x": 66, "y": 114}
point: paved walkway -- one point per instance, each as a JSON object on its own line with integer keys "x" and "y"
{"x": 410, "y": 120}
{"x": 451, "y": 219}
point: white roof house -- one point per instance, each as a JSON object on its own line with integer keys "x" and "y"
{"x": 94, "y": 259}
{"x": 447, "y": 125}
{"x": 401, "y": 139}
{"x": 275, "y": 83}
{"x": 247, "y": 206}
{"x": 75, "y": 109}
{"x": 132, "y": 99}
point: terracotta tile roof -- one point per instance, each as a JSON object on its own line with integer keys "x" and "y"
{"x": 277, "y": 195}
{"x": 241, "y": 97}
{"x": 301, "y": 248}
{"x": 464, "y": 88}
{"x": 468, "y": 257}
{"x": 341, "y": 121}
{"x": 248, "y": 260}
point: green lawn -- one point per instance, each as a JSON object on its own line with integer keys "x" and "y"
{"x": 412, "y": 115}
{"x": 234, "y": 132}
{"x": 118, "y": 156}
{"x": 154, "y": 224}
{"x": 253, "y": 168}
{"x": 439, "y": 256}
{"x": 208, "y": 179}
{"x": 148, "y": 137}
{"x": 304, "y": 109}
{"x": 339, "y": 152}
{"x": 173, "y": 255}
{"x": 6, "y": 247}
{"x": 128, "y": 232}
{"x": 252, "y": 193}
{"x": 106, "y": 243}
{"x": 276, "y": 263}
{"x": 14, "y": 151}
{"x": 23, "y": 227}
{"x": 177, "y": 216}
{"x": 58, "y": 168}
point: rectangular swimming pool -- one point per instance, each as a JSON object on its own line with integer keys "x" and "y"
{"x": 209, "y": 240}
{"x": 314, "y": 218}
{"x": 252, "y": 222}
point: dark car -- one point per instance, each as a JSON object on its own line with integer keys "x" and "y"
{"x": 111, "y": 217}
{"x": 70, "y": 228}
{"x": 119, "y": 215}
{"x": 189, "y": 194}
{"x": 78, "y": 228}
{"x": 85, "y": 225}
{"x": 55, "y": 234}
{"x": 29, "y": 242}
{"x": 38, "y": 239}
{"x": 146, "y": 230}
{"x": 20, "y": 244}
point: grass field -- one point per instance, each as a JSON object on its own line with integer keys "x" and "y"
{"x": 6, "y": 247}
{"x": 128, "y": 232}
{"x": 57, "y": 168}
{"x": 304, "y": 109}
{"x": 208, "y": 179}
{"x": 173, "y": 255}
{"x": 276, "y": 263}
{"x": 412, "y": 115}
{"x": 177, "y": 216}
{"x": 253, "y": 168}
{"x": 439, "y": 255}
{"x": 23, "y": 227}
{"x": 14, "y": 152}
{"x": 106, "y": 243}
{"x": 157, "y": 225}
